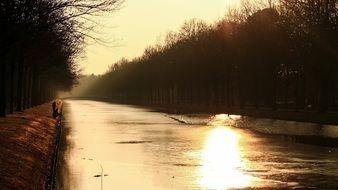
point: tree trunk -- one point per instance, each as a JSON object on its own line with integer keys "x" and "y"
{"x": 227, "y": 84}
{"x": 256, "y": 93}
{"x": 3, "y": 85}
{"x": 24, "y": 88}
{"x": 27, "y": 89}
{"x": 11, "y": 88}
{"x": 35, "y": 89}
{"x": 30, "y": 89}
{"x": 274, "y": 92}
{"x": 296, "y": 96}
{"x": 19, "y": 89}
{"x": 286, "y": 91}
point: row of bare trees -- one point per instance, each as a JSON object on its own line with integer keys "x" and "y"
{"x": 39, "y": 43}
{"x": 282, "y": 56}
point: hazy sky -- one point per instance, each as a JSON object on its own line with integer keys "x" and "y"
{"x": 141, "y": 23}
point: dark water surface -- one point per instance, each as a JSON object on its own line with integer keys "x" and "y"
{"x": 112, "y": 146}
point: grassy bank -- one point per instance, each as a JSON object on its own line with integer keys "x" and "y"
{"x": 27, "y": 142}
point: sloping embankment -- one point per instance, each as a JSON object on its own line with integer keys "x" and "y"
{"x": 26, "y": 148}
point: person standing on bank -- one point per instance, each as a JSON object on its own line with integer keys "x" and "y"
{"x": 55, "y": 111}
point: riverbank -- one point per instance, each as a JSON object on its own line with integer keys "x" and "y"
{"x": 27, "y": 145}
{"x": 303, "y": 115}
{"x": 312, "y": 116}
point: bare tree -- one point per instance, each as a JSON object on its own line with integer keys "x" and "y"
{"x": 40, "y": 39}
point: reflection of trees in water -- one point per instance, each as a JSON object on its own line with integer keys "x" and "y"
{"x": 64, "y": 178}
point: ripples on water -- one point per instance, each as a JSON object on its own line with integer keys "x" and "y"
{"x": 141, "y": 149}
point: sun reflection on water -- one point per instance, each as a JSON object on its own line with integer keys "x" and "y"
{"x": 221, "y": 158}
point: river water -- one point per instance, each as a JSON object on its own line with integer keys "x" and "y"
{"x": 113, "y": 146}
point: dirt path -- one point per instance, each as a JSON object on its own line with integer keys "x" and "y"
{"x": 26, "y": 148}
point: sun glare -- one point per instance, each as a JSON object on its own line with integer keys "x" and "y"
{"x": 224, "y": 120}
{"x": 221, "y": 157}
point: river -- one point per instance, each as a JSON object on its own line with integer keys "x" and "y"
{"x": 114, "y": 146}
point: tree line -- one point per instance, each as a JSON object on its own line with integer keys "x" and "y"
{"x": 39, "y": 43}
{"x": 283, "y": 55}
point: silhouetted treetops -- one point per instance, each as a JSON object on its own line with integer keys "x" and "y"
{"x": 39, "y": 43}
{"x": 282, "y": 56}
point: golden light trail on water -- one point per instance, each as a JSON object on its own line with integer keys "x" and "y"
{"x": 221, "y": 158}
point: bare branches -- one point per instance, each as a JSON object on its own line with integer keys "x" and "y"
{"x": 47, "y": 37}
{"x": 268, "y": 53}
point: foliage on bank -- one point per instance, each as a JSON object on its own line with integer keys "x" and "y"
{"x": 283, "y": 55}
